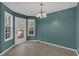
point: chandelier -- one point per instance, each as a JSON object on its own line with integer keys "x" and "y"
{"x": 42, "y": 13}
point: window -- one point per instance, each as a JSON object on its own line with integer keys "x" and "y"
{"x": 31, "y": 27}
{"x": 8, "y": 26}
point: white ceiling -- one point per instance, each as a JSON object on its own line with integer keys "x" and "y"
{"x": 32, "y": 8}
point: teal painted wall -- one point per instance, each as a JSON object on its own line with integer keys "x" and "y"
{"x": 5, "y": 45}
{"x": 58, "y": 28}
{"x": 78, "y": 27}
{"x": 0, "y": 28}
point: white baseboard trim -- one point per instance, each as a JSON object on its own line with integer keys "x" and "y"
{"x": 6, "y": 50}
{"x": 9, "y": 48}
{"x": 57, "y": 46}
{"x": 77, "y": 53}
{"x": 13, "y": 46}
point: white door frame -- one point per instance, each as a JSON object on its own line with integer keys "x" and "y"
{"x": 17, "y": 18}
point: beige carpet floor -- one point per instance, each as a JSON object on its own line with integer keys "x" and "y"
{"x": 38, "y": 49}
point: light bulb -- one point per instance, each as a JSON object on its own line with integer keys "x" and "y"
{"x": 37, "y": 16}
{"x": 44, "y": 14}
{"x": 41, "y": 16}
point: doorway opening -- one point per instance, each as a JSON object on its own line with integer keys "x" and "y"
{"x": 20, "y": 30}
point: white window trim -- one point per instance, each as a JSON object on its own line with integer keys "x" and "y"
{"x": 6, "y": 13}
{"x": 34, "y": 27}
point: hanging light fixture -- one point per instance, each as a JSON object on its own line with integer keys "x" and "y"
{"x": 42, "y": 13}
